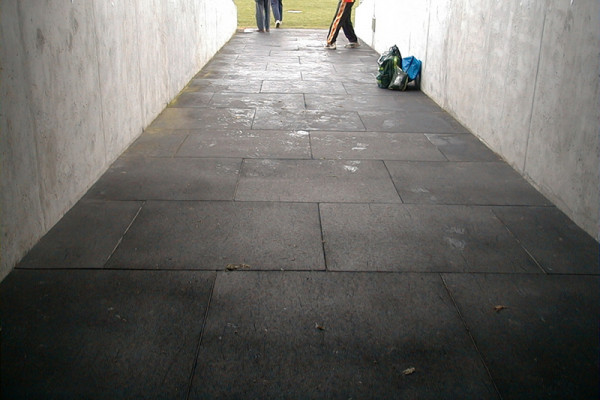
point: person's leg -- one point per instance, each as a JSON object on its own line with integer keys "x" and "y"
{"x": 334, "y": 29}
{"x": 267, "y": 14}
{"x": 260, "y": 15}
{"x": 275, "y": 8}
{"x": 280, "y": 7}
{"x": 347, "y": 24}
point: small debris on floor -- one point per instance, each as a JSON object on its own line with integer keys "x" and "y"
{"x": 235, "y": 267}
{"x": 319, "y": 327}
{"x": 409, "y": 371}
{"x": 499, "y": 308}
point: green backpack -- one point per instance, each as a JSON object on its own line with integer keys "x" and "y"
{"x": 387, "y": 65}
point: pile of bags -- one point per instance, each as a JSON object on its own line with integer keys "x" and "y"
{"x": 396, "y": 72}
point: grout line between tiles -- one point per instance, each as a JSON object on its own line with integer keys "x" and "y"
{"x": 199, "y": 344}
{"x": 322, "y": 236}
{"x": 468, "y": 330}
{"x": 124, "y": 233}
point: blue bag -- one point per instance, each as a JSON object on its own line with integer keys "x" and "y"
{"x": 412, "y": 67}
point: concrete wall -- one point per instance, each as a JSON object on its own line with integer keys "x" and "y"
{"x": 79, "y": 80}
{"x": 522, "y": 75}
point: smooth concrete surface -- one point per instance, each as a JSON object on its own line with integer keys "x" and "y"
{"x": 520, "y": 75}
{"x": 79, "y": 81}
{"x": 231, "y": 254}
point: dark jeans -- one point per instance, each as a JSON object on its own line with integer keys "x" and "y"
{"x": 263, "y": 14}
{"x": 277, "y": 7}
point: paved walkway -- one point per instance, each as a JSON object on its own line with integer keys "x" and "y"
{"x": 286, "y": 229}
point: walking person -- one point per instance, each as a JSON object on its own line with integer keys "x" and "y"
{"x": 341, "y": 19}
{"x": 277, "y": 6}
{"x": 263, "y": 15}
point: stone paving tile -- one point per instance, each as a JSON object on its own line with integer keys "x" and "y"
{"x": 158, "y": 143}
{"x": 216, "y": 70}
{"x": 260, "y": 100}
{"x": 370, "y": 68}
{"x": 101, "y": 334}
{"x": 208, "y": 119}
{"x": 248, "y": 144}
{"x": 143, "y": 178}
{"x": 370, "y": 89}
{"x": 287, "y": 66}
{"x": 281, "y": 75}
{"x": 483, "y": 183}
{"x": 544, "y": 344}
{"x": 405, "y": 102}
{"x": 72, "y": 244}
{"x": 396, "y": 237}
{"x": 322, "y": 336}
{"x": 192, "y": 99}
{"x": 270, "y": 118}
{"x": 357, "y": 77}
{"x": 299, "y": 86}
{"x": 250, "y": 57}
{"x": 349, "y": 103}
{"x": 211, "y": 235}
{"x": 563, "y": 248}
{"x": 374, "y": 145}
{"x": 290, "y": 54}
{"x": 315, "y": 181}
{"x": 398, "y": 121}
{"x": 224, "y": 85}
{"x": 462, "y": 147}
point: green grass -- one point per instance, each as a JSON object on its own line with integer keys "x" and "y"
{"x": 316, "y": 14}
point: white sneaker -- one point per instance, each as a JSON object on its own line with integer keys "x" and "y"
{"x": 352, "y": 45}
{"x": 330, "y": 46}
{"x": 277, "y": 23}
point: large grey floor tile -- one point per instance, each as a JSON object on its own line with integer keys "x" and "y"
{"x": 462, "y": 147}
{"x": 271, "y": 118}
{"x": 248, "y": 75}
{"x": 143, "y": 178}
{"x": 354, "y": 76}
{"x": 315, "y": 181}
{"x": 85, "y": 237}
{"x": 402, "y": 121}
{"x": 258, "y": 100}
{"x": 336, "y": 336}
{"x": 101, "y": 334}
{"x": 192, "y": 99}
{"x": 544, "y": 344}
{"x": 158, "y": 143}
{"x": 462, "y": 183}
{"x": 207, "y": 119}
{"x": 337, "y": 103}
{"x": 557, "y": 244}
{"x": 212, "y": 235}
{"x": 374, "y": 145}
{"x": 222, "y": 85}
{"x": 248, "y": 144}
{"x": 291, "y": 59}
{"x": 405, "y": 102}
{"x": 279, "y": 65}
{"x": 367, "y": 89}
{"x": 396, "y": 237}
{"x": 302, "y": 87}
{"x": 217, "y": 69}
